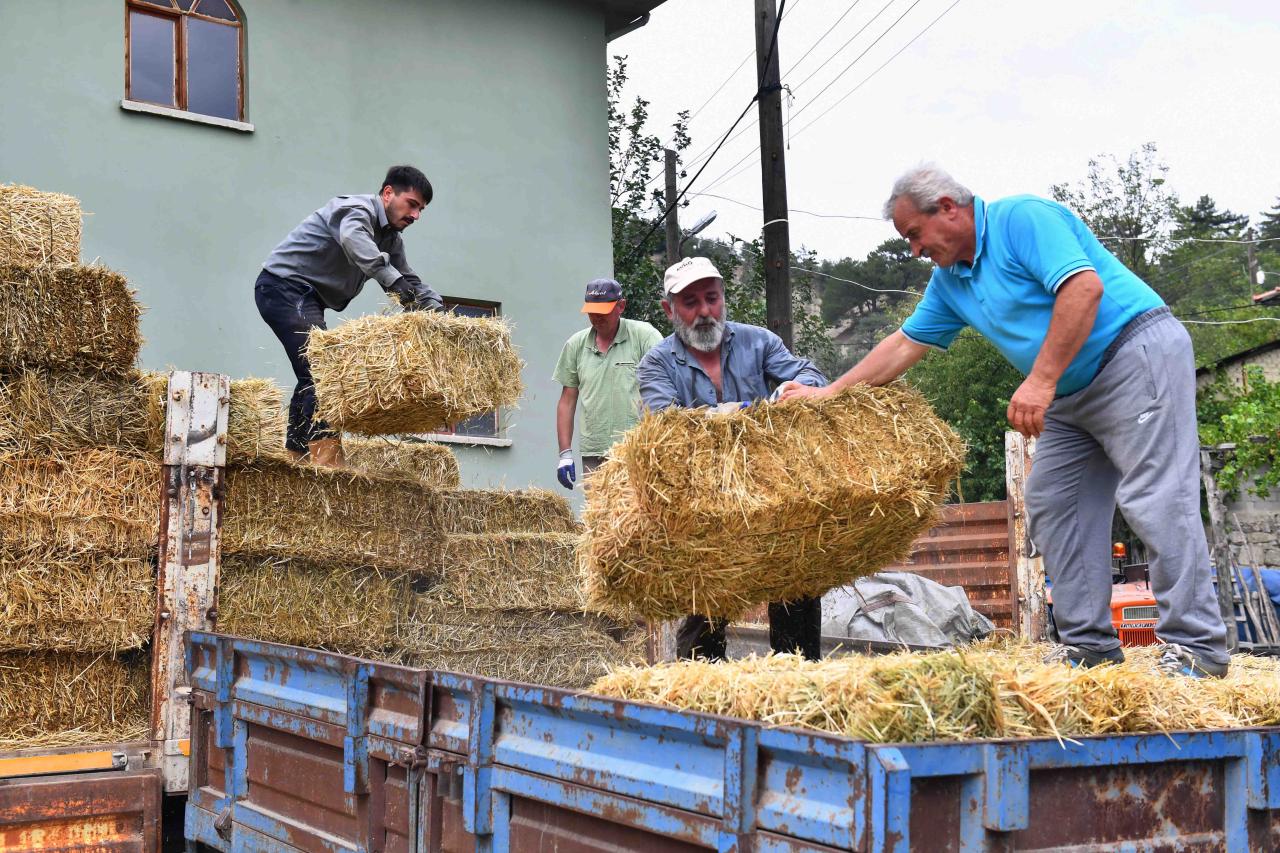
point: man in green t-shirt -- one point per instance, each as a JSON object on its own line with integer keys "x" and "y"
{"x": 597, "y": 367}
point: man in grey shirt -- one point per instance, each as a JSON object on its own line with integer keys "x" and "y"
{"x": 324, "y": 263}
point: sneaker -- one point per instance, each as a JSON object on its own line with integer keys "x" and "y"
{"x": 1077, "y": 656}
{"x": 1177, "y": 660}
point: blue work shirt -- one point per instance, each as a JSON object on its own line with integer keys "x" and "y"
{"x": 1026, "y": 248}
{"x": 753, "y": 361}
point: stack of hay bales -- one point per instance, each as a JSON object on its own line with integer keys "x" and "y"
{"x": 507, "y": 602}
{"x": 995, "y": 689}
{"x": 77, "y": 518}
{"x": 504, "y": 600}
{"x": 697, "y": 512}
{"x": 81, "y": 440}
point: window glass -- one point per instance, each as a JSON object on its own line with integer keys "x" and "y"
{"x": 151, "y": 59}
{"x": 485, "y": 425}
{"x": 185, "y": 5}
{"x": 216, "y": 9}
{"x": 213, "y": 58}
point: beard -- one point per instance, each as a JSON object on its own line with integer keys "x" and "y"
{"x": 704, "y": 335}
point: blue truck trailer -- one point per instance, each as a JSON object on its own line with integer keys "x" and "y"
{"x": 295, "y": 749}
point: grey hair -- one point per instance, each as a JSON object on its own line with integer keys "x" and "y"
{"x": 924, "y": 185}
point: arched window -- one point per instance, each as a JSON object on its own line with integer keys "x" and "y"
{"x": 185, "y": 54}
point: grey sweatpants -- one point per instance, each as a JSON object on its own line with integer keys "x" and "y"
{"x": 1129, "y": 437}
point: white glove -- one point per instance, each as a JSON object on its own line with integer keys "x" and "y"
{"x": 725, "y": 408}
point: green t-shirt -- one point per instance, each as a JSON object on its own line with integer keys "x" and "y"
{"x": 606, "y": 381}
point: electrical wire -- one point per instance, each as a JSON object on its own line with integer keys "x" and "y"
{"x": 793, "y": 210}
{"x": 747, "y": 248}
{"x": 773, "y": 44}
{"x": 737, "y": 168}
{"x": 1229, "y": 322}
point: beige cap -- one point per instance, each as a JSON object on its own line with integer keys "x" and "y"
{"x": 681, "y": 275}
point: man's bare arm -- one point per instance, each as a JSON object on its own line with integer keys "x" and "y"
{"x": 564, "y": 416}
{"x": 890, "y": 358}
{"x": 1075, "y": 308}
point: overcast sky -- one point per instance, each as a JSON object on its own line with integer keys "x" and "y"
{"x": 1010, "y": 97}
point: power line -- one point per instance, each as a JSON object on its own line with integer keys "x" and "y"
{"x": 1189, "y": 239}
{"x": 773, "y": 44}
{"x": 1229, "y": 322}
{"x": 747, "y": 247}
{"x": 793, "y": 210}
{"x": 825, "y": 63}
{"x": 814, "y": 46}
{"x": 720, "y": 88}
{"x": 737, "y": 168}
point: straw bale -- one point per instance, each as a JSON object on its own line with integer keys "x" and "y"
{"x": 503, "y": 511}
{"x": 354, "y": 611}
{"x": 714, "y": 514}
{"x": 38, "y": 227}
{"x": 70, "y": 317}
{"x": 53, "y": 413}
{"x": 53, "y": 599}
{"x": 436, "y": 627}
{"x": 56, "y": 412}
{"x": 433, "y": 464}
{"x": 572, "y": 664}
{"x": 508, "y": 571}
{"x": 277, "y": 509}
{"x": 52, "y": 699}
{"x": 991, "y": 690}
{"x": 412, "y": 372}
{"x": 99, "y": 499}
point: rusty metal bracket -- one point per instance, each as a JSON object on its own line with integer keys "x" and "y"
{"x": 190, "y": 519}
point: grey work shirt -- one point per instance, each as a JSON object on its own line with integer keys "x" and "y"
{"x": 342, "y": 245}
{"x": 753, "y": 361}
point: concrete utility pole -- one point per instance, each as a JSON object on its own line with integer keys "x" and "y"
{"x": 773, "y": 169}
{"x": 673, "y": 217}
{"x": 1251, "y": 259}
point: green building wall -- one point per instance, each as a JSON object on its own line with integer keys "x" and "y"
{"x": 500, "y": 102}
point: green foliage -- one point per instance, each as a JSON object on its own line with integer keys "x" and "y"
{"x": 636, "y": 197}
{"x": 969, "y": 386}
{"x": 1247, "y": 416}
{"x": 1270, "y": 228}
{"x": 1126, "y": 200}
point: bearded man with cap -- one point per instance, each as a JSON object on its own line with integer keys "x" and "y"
{"x": 597, "y": 367}
{"x": 721, "y": 365}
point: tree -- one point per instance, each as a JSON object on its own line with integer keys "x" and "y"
{"x": 1127, "y": 204}
{"x": 969, "y": 386}
{"x": 1204, "y": 219}
{"x": 1247, "y": 416}
{"x": 1270, "y": 228}
{"x": 636, "y": 197}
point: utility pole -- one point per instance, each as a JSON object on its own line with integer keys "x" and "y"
{"x": 673, "y": 219}
{"x": 773, "y": 169}
{"x": 1251, "y": 260}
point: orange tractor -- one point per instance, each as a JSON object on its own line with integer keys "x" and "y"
{"x": 1133, "y": 607}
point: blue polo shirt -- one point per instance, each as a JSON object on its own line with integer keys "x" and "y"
{"x": 1026, "y": 248}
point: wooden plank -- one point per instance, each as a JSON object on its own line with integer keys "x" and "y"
{"x": 1026, "y": 575}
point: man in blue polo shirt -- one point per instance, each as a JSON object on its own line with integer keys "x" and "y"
{"x": 1109, "y": 390}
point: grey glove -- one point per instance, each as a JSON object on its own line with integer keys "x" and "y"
{"x": 414, "y": 295}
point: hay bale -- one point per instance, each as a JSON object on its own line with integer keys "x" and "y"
{"x": 501, "y": 511}
{"x": 992, "y": 690}
{"x": 52, "y": 699}
{"x": 44, "y": 411}
{"x": 714, "y": 514}
{"x": 432, "y": 464}
{"x": 52, "y": 599}
{"x": 73, "y": 318}
{"x": 508, "y": 571}
{"x": 438, "y": 627}
{"x": 325, "y": 515}
{"x": 354, "y": 611}
{"x": 412, "y": 372}
{"x": 98, "y": 499}
{"x": 573, "y": 664}
{"x": 38, "y": 227}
